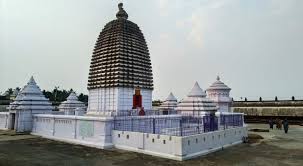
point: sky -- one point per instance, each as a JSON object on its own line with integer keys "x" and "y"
{"x": 255, "y": 46}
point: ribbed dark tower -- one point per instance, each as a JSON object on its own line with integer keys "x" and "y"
{"x": 120, "y": 57}
{"x": 121, "y": 61}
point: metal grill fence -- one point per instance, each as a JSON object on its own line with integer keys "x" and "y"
{"x": 176, "y": 125}
{"x": 231, "y": 120}
{"x": 147, "y": 113}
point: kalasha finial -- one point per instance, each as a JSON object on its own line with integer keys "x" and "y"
{"x": 121, "y": 13}
{"x": 218, "y": 78}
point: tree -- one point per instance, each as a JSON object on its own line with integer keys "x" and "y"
{"x": 83, "y": 98}
{"x": 260, "y": 99}
{"x": 156, "y": 103}
{"x": 276, "y": 98}
{"x": 9, "y": 92}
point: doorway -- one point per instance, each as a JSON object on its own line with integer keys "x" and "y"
{"x": 12, "y": 120}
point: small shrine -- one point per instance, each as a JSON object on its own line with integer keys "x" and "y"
{"x": 219, "y": 93}
{"x": 169, "y": 105}
{"x": 72, "y": 105}
{"x": 196, "y": 103}
{"x": 29, "y": 101}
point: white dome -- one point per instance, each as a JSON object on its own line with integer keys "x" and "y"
{"x": 218, "y": 85}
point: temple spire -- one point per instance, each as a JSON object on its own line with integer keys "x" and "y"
{"x": 218, "y": 78}
{"x": 32, "y": 80}
{"x": 196, "y": 91}
{"x": 121, "y": 13}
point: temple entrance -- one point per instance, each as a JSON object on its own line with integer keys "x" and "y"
{"x": 137, "y": 102}
{"x": 12, "y": 119}
{"x": 137, "y": 99}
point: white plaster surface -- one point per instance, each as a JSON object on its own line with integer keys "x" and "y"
{"x": 178, "y": 148}
{"x": 97, "y": 132}
{"x": 85, "y": 130}
{"x": 4, "y": 120}
{"x": 116, "y": 99}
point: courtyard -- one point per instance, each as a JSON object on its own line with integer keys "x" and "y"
{"x": 276, "y": 148}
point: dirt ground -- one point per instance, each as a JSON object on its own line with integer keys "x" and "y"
{"x": 276, "y": 148}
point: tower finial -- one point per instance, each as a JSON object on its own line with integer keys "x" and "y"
{"x": 218, "y": 78}
{"x": 121, "y": 13}
{"x": 32, "y": 80}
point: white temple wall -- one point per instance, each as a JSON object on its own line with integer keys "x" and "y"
{"x": 224, "y": 107}
{"x": 221, "y": 98}
{"x": 4, "y": 120}
{"x": 178, "y": 148}
{"x": 24, "y": 119}
{"x": 89, "y": 131}
{"x": 116, "y": 99}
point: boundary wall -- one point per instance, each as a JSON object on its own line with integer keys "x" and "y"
{"x": 175, "y": 147}
{"x": 98, "y": 132}
{"x": 4, "y": 120}
{"x": 84, "y": 130}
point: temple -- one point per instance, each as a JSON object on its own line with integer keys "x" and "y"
{"x": 28, "y": 102}
{"x": 196, "y": 103}
{"x": 169, "y": 105}
{"x": 120, "y": 114}
{"x": 219, "y": 93}
{"x": 120, "y": 65}
{"x": 72, "y": 106}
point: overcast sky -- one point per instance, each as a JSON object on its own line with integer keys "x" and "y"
{"x": 256, "y": 46}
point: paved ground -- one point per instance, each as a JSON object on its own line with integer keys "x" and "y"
{"x": 276, "y": 148}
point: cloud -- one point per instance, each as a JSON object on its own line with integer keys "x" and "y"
{"x": 196, "y": 31}
{"x": 199, "y": 21}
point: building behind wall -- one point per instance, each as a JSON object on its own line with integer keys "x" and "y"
{"x": 120, "y": 64}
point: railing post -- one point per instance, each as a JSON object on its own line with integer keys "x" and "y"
{"x": 181, "y": 129}
{"x": 154, "y": 126}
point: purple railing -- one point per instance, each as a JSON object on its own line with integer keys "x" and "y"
{"x": 176, "y": 125}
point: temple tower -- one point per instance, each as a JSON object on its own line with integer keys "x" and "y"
{"x": 29, "y": 101}
{"x": 169, "y": 105}
{"x": 196, "y": 103}
{"x": 120, "y": 75}
{"x": 219, "y": 93}
{"x": 72, "y": 105}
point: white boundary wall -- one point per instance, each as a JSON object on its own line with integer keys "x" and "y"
{"x": 97, "y": 132}
{"x": 84, "y": 130}
{"x": 178, "y": 148}
{"x": 4, "y": 120}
